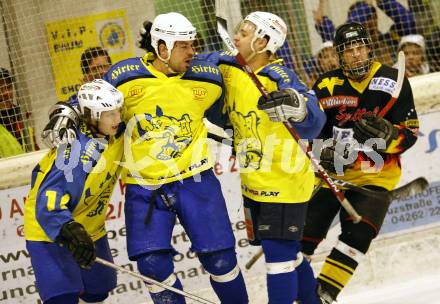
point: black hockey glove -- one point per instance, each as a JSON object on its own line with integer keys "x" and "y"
{"x": 77, "y": 240}
{"x": 284, "y": 105}
{"x": 337, "y": 158}
{"x": 64, "y": 119}
{"x": 371, "y": 126}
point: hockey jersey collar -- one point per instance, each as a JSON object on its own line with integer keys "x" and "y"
{"x": 362, "y": 85}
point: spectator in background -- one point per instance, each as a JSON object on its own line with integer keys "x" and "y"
{"x": 433, "y": 50}
{"x": 11, "y": 127}
{"x": 423, "y": 13}
{"x": 414, "y": 48}
{"x": 324, "y": 60}
{"x": 365, "y": 13}
{"x": 429, "y": 27}
{"x": 327, "y": 58}
{"x": 95, "y": 62}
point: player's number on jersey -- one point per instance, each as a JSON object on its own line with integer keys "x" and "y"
{"x": 51, "y": 199}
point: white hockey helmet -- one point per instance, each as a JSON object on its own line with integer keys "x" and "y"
{"x": 270, "y": 25}
{"x": 171, "y": 27}
{"x": 99, "y": 96}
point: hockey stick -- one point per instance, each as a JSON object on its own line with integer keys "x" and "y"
{"x": 221, "y": 28}
{"x": 399, "y": 84}
{"x": 152, "y": 281}
{"x": 254, "y": 259}
{"x": 415, "y": 186}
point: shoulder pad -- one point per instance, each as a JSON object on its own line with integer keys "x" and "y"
{"x": 125, "y": 69}
{"x": 217, "y": 58}
{"x": 227, "y": 57}
{"x": 279, "y": 73}
{"x": 334, "y": 73}
{"x": 203, "y": 69}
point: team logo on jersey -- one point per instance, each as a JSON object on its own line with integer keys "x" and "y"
{"x": 330, "y": 83}
{"x": 293, "y": 228}
{"x": 199, "y": 93}
{"x": 171, "y": 135}
{"x": 112, "y": 36}
{"x": 411, "y": 123}
{"x": 382, "y": 84}
{"x": 249, "y": 148}
{"x": 343, "y": 115}
{"x": 102, "y": 192}
{"x": 135, "y": 91}
{"x": 124, "y": 69}
{"x": 205, "y": 69}
{"x": 337, "y": 101}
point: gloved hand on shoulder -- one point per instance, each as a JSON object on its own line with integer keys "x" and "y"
{"x": 285, "y": 105}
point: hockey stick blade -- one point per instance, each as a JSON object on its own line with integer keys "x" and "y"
{"x": 152, "y": 281}
{"x": 416, "y": 186}
{"x": 223, "y": 32}
{"x": 411, "y": 188}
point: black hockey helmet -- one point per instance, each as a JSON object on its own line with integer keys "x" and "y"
{"x": 349, "y": 35}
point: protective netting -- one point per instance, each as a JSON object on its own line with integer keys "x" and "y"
{"x": 50, "y": 47}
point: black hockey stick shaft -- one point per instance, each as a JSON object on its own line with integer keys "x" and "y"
{"x": 152, "y": 281}
{"x": 221, "y": 25}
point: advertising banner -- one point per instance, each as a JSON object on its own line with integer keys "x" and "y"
{"x": 68, "y": 38}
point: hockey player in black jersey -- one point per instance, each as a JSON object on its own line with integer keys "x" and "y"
{"x": 364, "y": 149}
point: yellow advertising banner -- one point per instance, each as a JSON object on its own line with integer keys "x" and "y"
{"x": 68, "y": 38}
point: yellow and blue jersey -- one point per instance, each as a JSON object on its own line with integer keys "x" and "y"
{"x": 164, "y": 116}
{"x": 73, "y": 182}
{"x": 273, "y": 168}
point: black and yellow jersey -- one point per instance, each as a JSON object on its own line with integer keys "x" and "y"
{"x": 166, "y": 136}
{"x": 73, "y": 182}
{"x": 273, "y": 168}
{"x": 346, "y": 101}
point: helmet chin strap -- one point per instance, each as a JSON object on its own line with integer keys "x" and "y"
{"x": 254, "y": 52}
{"x": 165, "y": 61}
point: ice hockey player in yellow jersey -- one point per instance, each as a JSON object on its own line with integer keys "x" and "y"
{"x": 65, "y": 212}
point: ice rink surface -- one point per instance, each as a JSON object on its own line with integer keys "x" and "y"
{"x": 425, "y": 290}
{"x": 402, "y": 269}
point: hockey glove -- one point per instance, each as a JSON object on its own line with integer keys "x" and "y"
{"x": 337, "y": 158}
{"x": 371, "y": 126}
{"x": 77, "y": 240}
{"x": 284, "y": 105}
{"x": 64, "y": 119}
